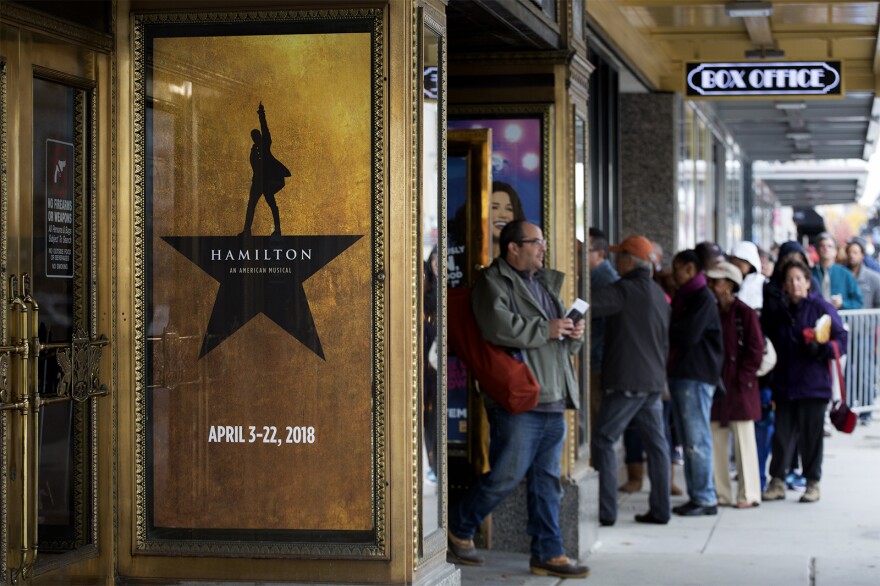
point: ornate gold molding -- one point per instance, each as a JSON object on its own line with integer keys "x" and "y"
{"x": 4, "y": 332}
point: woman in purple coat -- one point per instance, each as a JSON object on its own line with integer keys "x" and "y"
{"x": 801, "y": 381}
{"x": 734, "y": 412}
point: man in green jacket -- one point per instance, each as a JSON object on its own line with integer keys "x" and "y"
{"x": 516, "y": 304}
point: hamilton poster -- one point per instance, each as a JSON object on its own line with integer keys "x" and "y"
{"x": 260, "y": 322}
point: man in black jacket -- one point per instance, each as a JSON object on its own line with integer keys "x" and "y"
{"x": 633, "y": 377}
{"x": 696, "y": 353}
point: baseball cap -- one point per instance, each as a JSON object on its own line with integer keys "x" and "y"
{"x": 637, "y": 246}
{"x": 726, "y": 270}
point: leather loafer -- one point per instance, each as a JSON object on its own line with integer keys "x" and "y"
{"x": 650, "y": 519}
{"x": 699, "y": 511}
{"x": 561, "y": 567}
{"x": 679, "y": 508}
{"x": 463, "y": 551}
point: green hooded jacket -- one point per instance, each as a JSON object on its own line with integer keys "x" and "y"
{"x": 508, "y": 315}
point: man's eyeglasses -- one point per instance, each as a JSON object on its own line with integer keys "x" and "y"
{"x": 538, "y": 241}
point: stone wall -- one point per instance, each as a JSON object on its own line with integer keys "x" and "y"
{"x": 648, "y": 162}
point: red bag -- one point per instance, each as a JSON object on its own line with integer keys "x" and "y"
{"x": 507, "y": 380}
{"x": 841, "y": 415}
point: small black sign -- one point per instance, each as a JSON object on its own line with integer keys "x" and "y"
{"x": 59, "y": 209}
{"x": 802, "y": 78}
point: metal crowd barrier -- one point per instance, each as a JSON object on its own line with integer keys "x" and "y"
{"x": 863, "y": 359}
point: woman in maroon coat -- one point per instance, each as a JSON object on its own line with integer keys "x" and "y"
{"x": 737, "y": 409}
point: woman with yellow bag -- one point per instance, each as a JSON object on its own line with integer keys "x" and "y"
{"x": 801, "y": 380}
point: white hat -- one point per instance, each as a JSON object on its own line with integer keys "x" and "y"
{"x": 748, "y": 252}
{"x": 725, "y": 270}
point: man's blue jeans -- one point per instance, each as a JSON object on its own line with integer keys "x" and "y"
{"x": 691, "y": 410}
{"x": 526, "y": 445}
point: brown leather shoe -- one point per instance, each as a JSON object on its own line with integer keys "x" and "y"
{"x": 560, "y": 566}
{"x": 463, "y": 551}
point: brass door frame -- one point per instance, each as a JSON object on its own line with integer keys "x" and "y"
{"x": 31, "y": 48}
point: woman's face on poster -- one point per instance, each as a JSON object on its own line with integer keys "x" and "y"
{"x": 501, "y": 212}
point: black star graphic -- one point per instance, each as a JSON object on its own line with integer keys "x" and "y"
{"x": 261, "y": 274}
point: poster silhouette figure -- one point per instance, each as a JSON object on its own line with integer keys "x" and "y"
{"x": 269, "y": 174}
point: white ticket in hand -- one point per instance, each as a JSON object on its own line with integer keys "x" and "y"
{"x": 578, "y": 310}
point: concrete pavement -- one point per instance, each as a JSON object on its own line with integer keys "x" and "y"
{"x": 835, "y": 542}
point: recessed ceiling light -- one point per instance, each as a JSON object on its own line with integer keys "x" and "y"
{"x": 744, "y": 9}
{"x": 791, "y": 105}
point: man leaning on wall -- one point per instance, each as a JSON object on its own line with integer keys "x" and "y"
{"x": 516, "y": 304}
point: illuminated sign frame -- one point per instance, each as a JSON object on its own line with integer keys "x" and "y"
{"x": 795, "y": 78}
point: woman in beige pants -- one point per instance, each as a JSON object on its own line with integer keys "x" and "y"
{"x": 736, "y": 410}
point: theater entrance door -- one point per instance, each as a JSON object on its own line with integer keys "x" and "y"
{"x": 55, "y": 419}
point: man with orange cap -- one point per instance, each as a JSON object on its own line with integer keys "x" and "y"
{"x": 633, "y": 377}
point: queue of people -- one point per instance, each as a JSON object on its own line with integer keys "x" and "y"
{"x": 732, "y": 317}
{"x": 723, "y": 351}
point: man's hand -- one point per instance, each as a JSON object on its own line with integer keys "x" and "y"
{"x": 560, "y": 328}
{"x": 578, "y": 330}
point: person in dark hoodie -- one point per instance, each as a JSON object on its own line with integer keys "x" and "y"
{"x": 801, "y": 381}
{"x": 774, "y": 298}
{"x": 774, "y": 304}
{"x": 696, "y": 353}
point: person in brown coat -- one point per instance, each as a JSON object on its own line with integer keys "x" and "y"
{"x": 736, "y": 411}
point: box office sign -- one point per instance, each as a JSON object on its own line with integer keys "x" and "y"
{"x": 260, "y": 340}
{"x": 804, "y": 78}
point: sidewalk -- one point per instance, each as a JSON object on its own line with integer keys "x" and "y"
{"x": 835, "y": 542}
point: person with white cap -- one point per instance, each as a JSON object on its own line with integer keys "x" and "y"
{"x": 747, "y": 259}
{"x": 736, "y": 411}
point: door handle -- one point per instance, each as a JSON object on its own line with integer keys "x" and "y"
{"x": 9, "y": 399}
{"x": 21, "y": 400}
{"x": 79, "y": 361}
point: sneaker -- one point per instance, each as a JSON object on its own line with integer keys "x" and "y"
{"x": 463, "y": 551}
{"x": 795, "y": 481}
{"x": 775, "y": 490}
{"x": 560, "y": 566}
{"x": 811, "y": 495}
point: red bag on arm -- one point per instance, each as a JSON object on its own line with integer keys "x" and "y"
{"x": 842, "y": 417}
{"x": 507, "y": 380}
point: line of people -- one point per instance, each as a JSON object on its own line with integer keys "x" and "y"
{"x": 719, "y": 350}
{"x": 690, "y": 354}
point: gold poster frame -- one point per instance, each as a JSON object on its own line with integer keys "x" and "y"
{"x": 4, "y": 332}
{"x": 302, "y": 546}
